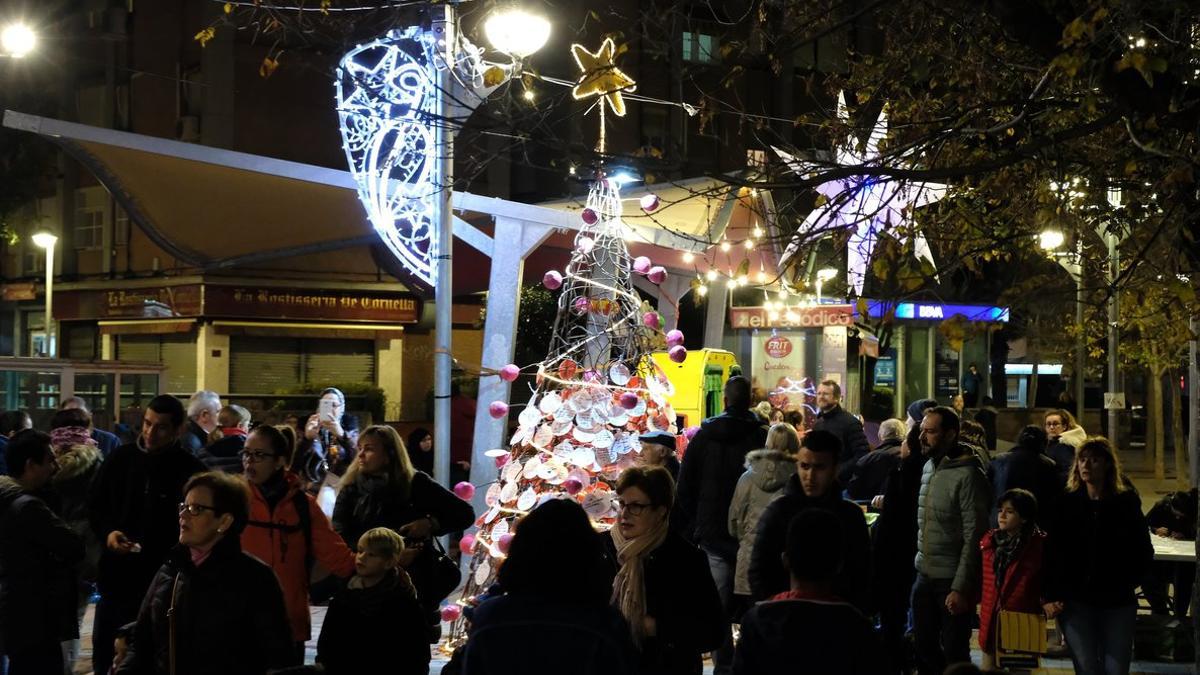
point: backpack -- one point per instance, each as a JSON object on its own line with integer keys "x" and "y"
{"x": 300, "y": 503}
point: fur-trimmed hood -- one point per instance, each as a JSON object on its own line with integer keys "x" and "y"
{"x": 77, "y": 461}
{"x": 1073, "y": 437}
{"x": 770, "y": 469}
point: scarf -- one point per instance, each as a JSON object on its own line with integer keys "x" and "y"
{"x": 71, "y": 436}
{"x": 1007, "y": 546}
{"x": 629, "y": 586}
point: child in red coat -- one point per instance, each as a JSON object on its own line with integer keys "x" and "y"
{"x": 1012, "y": 567}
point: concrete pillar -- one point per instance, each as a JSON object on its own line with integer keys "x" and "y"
{"x": 389, "y": 374}
{"x": 212, "y": 359}
{"x": 714, "y": 321}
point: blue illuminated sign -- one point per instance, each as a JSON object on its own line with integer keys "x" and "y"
{"x": 933, "y": 311}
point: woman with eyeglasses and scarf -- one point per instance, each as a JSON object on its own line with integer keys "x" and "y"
{"x": 662, "y": 585}
{"x": 287, "y": 530}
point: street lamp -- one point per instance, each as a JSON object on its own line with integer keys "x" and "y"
{"x": 516, "y": 32}
{"x": 17, "y": 40}
{"x": 46, "y": 240}
{"x": 1051, "y": 241}
{"x": 824, "y": 275}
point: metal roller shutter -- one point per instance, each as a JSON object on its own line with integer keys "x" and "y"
{"x": 144, "y": 348}
{"x": 339, "y": 361}
{"x": 262, "y": 365}
{"x": 179, "y": 356}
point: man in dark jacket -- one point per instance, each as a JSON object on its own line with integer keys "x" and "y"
{"x": 225, "y": 453}
{"x": 135, "y": 514}
{"x": 37, "y": 554}
{"x": 1026, "y": 466}
{"x": 809, "y": 628}
{"x": 813, "y": 487}
{"x": 202, "y": 410}
{"x": 846, "y": 427}
{"x": 872, "y": 469}
{"x": 714, "y": 461}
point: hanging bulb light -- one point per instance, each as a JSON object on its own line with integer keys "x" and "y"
{"x": 758, "y": 232}
{"x": 725, "y": 246}
{"x": 702, "y": 290}
{"x": 711, "y": 275}
{"x": 688, "y": 257}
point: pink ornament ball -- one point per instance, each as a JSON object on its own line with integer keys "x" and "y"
{"x": 467, "y": 543}
{"x": 652, "y": 320}
{"x": 464, "y": 491}
{"x": 573, "y": 486}
{"x": 504, "y": 542}
{"x": 498, "y": 409}
{"x": 641, "y": 264}
{"x": 450, "y": 613}
{"x": 590, "y": 216}
{"x": 629, "y": 400}
{"x": 580, "y": 306}
{"x": 649, "y": 202}
{"x": 501, "y": 461}
{"x": 510, "y": 372}
{"x": 586, "y": 244}
{"x": 674, "y": 337}
{"x": 690, "y": 432}
{"x": 657, "y": 274}
{"x": 552, "y": 280}
{"x": 678, "y": 353}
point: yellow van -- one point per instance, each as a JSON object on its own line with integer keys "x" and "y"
{"x": 699, "y": 383}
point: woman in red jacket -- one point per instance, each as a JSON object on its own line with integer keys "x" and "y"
{"x": 1012, "y": 567}
{"x": 287, "y": 530}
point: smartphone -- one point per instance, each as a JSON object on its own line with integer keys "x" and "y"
{"x": 325, "y": 411}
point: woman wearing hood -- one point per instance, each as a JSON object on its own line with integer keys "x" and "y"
{"x": 767, "y": 472}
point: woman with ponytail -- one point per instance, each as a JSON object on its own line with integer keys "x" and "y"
{"x": 287, "y": 530}
{"x": 662, "y": 586}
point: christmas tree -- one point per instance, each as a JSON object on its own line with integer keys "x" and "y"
{"x": 597, "y": 391}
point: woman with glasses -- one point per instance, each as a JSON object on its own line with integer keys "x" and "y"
{"x": 1065, "y": 436}
{"x": 1098, "y": 554}
{"x": 662, "y": 586}
{"x": 287, "y": 530}
{"x": 381, "y": 489}
{"x": 211, "y": 608}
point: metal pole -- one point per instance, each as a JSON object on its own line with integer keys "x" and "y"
{"x": 443, "y": 134}
{"x": 1114, "y": 309}
{"x": 1194, "y": 403}
{"x": 50, "y": 346}
{"x": 1080, "y": 341}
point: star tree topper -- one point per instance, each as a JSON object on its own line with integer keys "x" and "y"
{"x": 601, "y": 77}
{"x": 869, "y": 205}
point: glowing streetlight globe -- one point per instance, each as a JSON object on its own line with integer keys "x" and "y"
{"x": 1051, "y": 239}
{"x": 44, "y": 239}
{"x": 17, "y": 40}
{"x": 516, "y": 32}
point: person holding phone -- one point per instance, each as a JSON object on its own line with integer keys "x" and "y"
{"x": 329, "y": 442}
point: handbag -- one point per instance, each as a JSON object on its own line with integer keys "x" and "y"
{"x": 435, "y": 575}
{"x": 1021, "y": 632}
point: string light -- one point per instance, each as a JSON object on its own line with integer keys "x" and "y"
{"x": 725, "y": 246}
{"x": 758, "y": 232}
{"x": 749, "y": 244}
{"x": 529, "y": 95}
{"x": 688, "y": 257}
{"x": 702, "y": 290}
{"x": 711, "y": 275}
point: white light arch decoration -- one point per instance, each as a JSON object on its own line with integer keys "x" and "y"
{"x": 869, "y": 205}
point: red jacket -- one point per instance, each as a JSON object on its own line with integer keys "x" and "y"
{"x": 1021, "y": 590}
{"x": 284, "y": 551}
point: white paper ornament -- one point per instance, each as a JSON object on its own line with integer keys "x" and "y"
{"x": 483, "y": 572}
{"x": 526, "y": 501}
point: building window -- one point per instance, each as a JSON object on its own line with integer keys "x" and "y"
{"x": 756, "y": 159}
{"x": 90, "y": 204}
{"x": 699, "y": 48}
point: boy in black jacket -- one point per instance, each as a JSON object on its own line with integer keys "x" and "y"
{"x": 376, "y": 624}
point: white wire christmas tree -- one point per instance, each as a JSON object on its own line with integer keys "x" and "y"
{"x": 597, "y": 391}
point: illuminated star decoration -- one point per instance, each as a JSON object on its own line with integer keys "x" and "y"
{"x": 601, "y": 78}
{"x": 868, "y": 205}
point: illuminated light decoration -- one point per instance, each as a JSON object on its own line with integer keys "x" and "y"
{"x": 386, "y": 94}
{"x": 688, "y": 257}
{"x": 600, "y": 77}
{"x": 725, "y": 246}
{"x": 868, "y": 205}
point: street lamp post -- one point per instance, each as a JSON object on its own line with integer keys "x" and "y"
{"x": 46, "y": 240}
{"x": 1050, "y": 241}
{"x": 1112, "y": 239}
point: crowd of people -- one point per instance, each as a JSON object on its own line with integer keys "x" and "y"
{"x": 206, "y": 544}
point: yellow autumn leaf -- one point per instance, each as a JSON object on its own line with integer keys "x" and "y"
{"x": 205, "y": 35}
{"x": 229, "y": 8}
{"x": 325, "y": 6}
{"x": 493, "y": 76}
{"x": 268, "y": 67}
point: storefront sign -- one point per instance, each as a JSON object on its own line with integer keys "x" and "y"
{"x": 243, "y": 302}
{"x": 778, "y": 366}
{"x": 885, "y": 371}
{"x": 18, "y": 292}
{"x": 802, "y": 317}
{"x": 933, "y": 311}
{"x": 280, "y": 303}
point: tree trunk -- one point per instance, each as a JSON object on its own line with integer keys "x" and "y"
{"x": 1183, "y": 473}
{"x": 1154, "y": 421}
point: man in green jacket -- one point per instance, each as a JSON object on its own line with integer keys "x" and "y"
{"x": 952, "y": 514}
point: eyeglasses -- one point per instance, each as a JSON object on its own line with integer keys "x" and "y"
{"x": 194, "y": 509}
{"x": 254, "y": 456}
{"x": 633, "y": 508}
{"x": 1053, "y": 424}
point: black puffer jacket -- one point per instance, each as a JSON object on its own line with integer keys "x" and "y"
{"x": 682, "y": 598}
{"x": 1029, "y": 470}
{"x": 138, "y": 493}
{"x": 38, "y": 552}
{"x": 871, "y": 470}
{"x": 850, "y": 432}
{"x": 1100, "y": 550}
{"x": 768, "y": 576}
{"x": 229, "y": 617}
{"x": 708, "y": 476}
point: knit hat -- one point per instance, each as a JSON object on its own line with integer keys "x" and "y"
{"x": 916, "y": 409}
